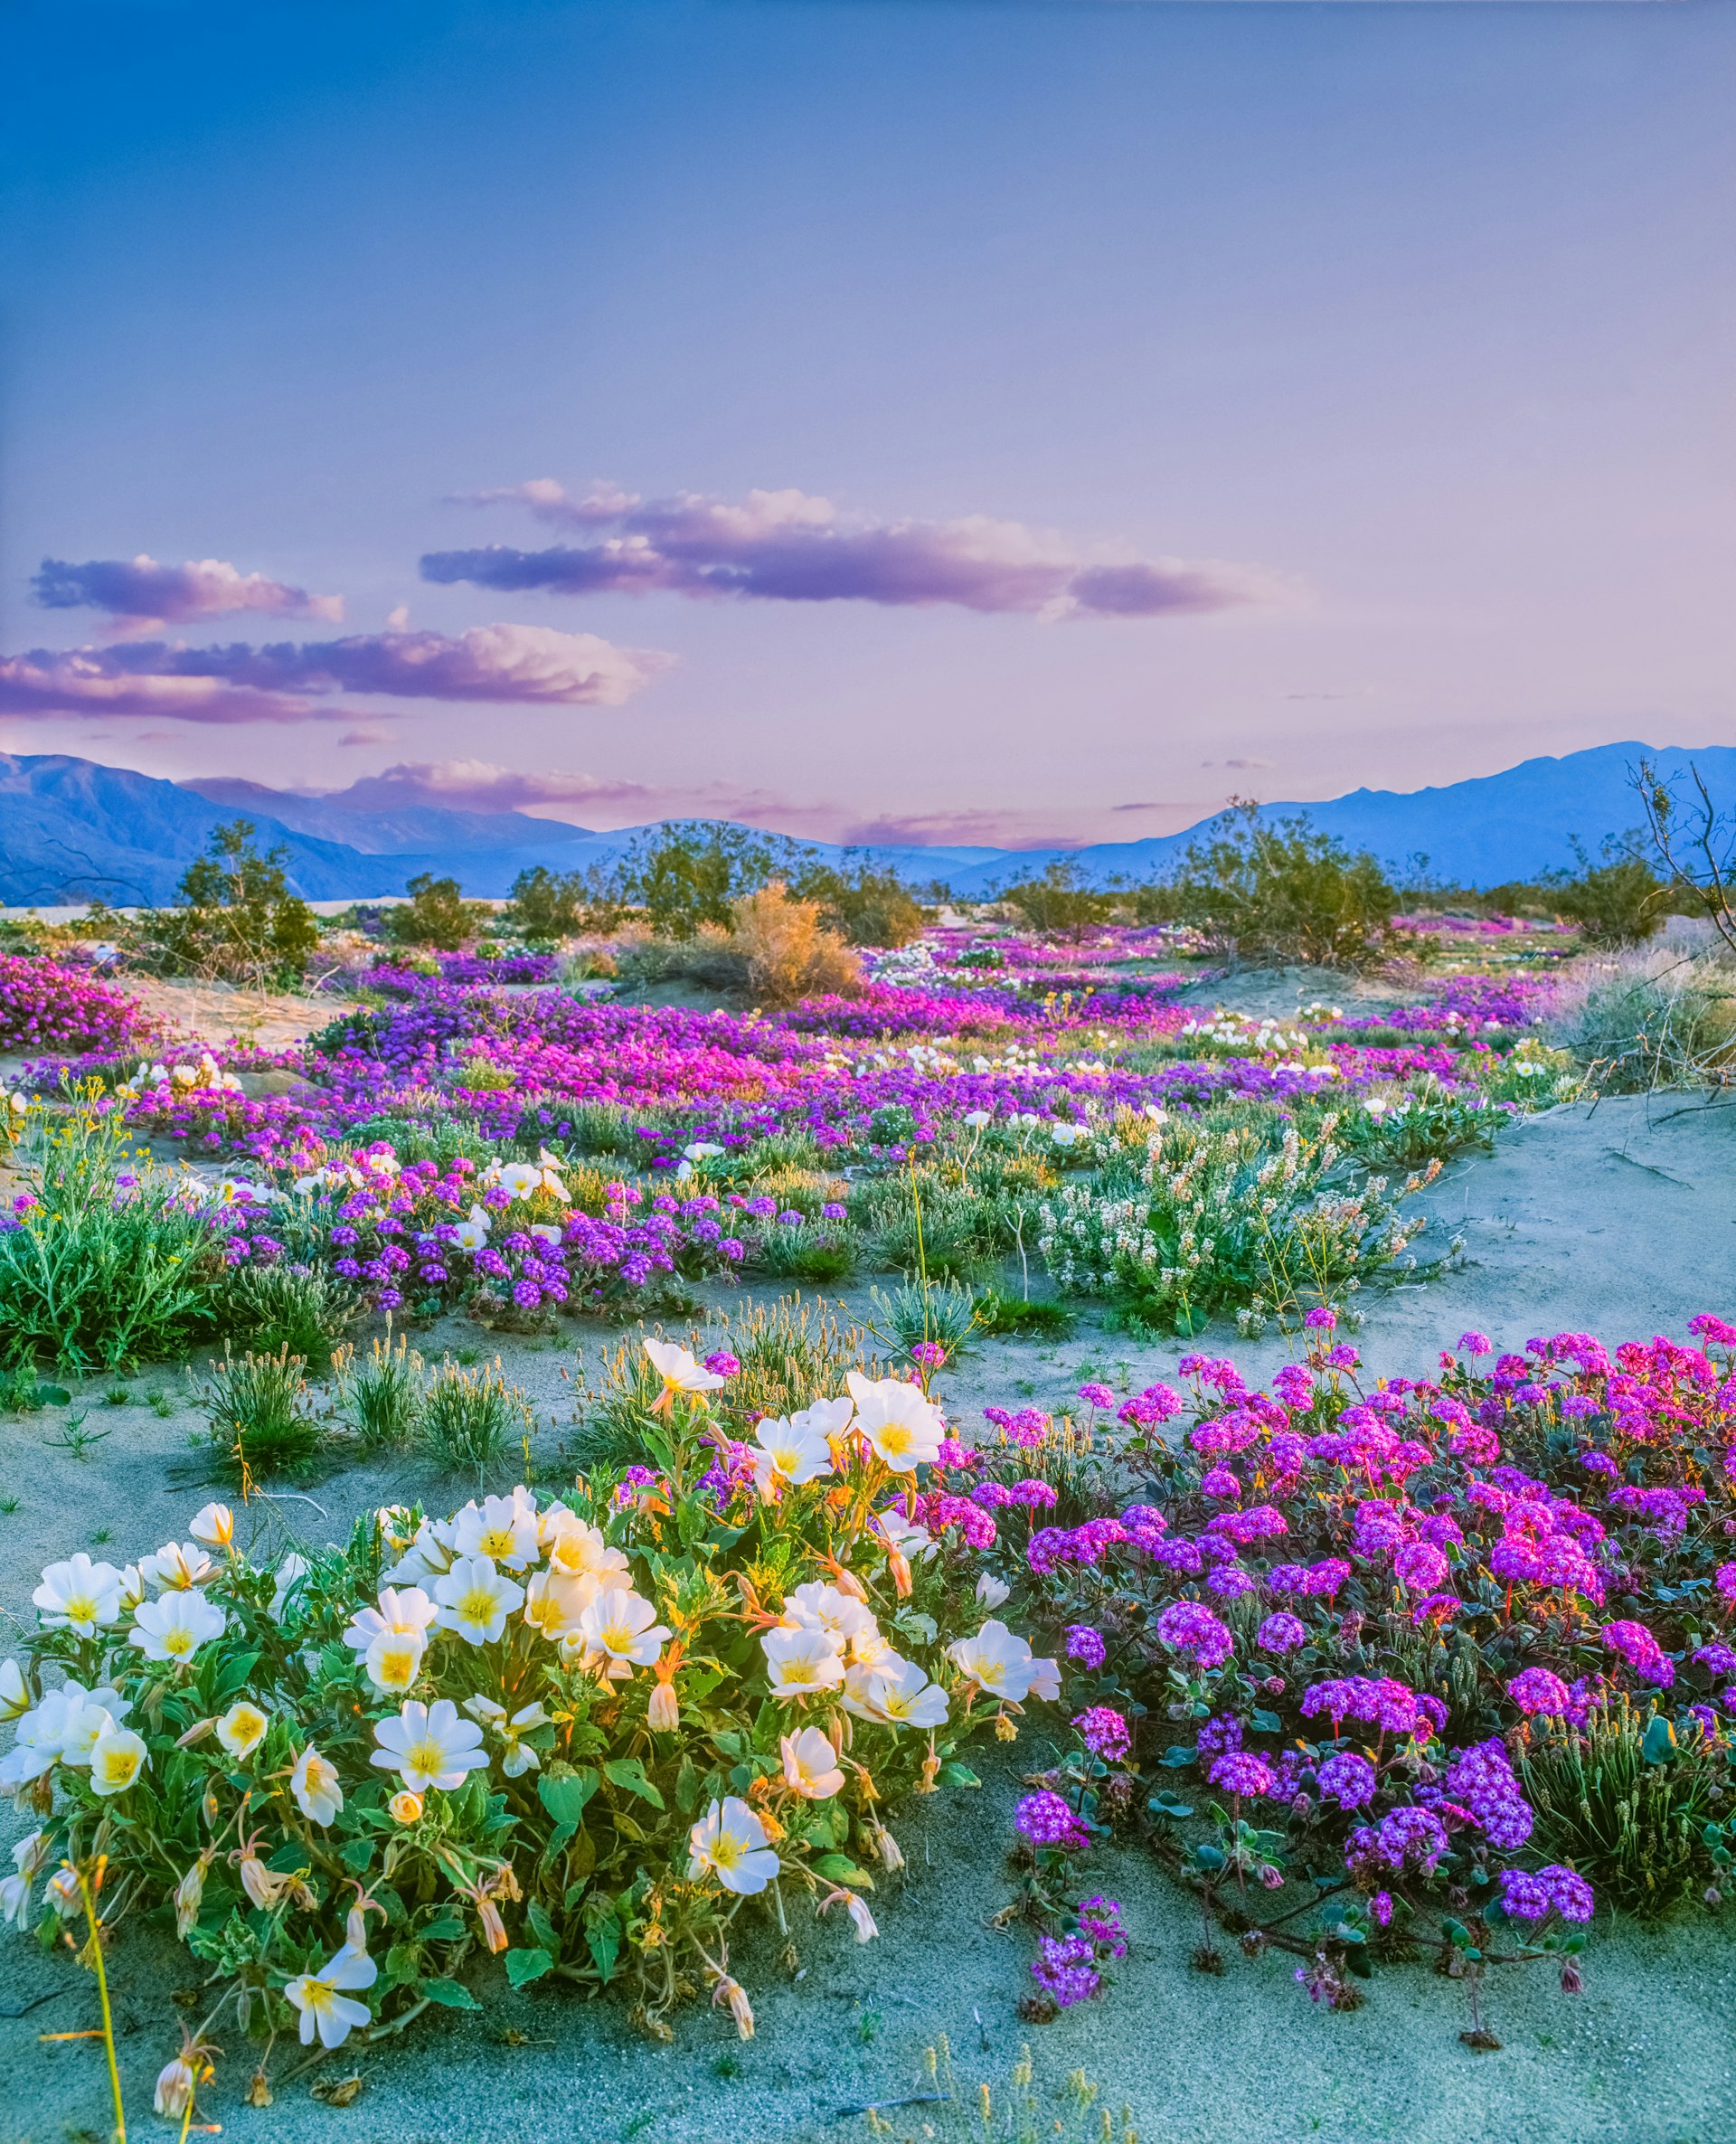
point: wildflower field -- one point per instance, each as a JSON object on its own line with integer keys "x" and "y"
{"x": 994, "y": 1467}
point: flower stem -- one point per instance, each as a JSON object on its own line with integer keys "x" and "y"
{"x": 103, "y": 1992}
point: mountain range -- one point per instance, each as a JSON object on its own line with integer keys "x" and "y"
{"x": 71, "y": 829}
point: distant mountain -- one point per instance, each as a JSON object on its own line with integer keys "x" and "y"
{"x": 71, "y": 830}
{"x": 1480, "y": 832}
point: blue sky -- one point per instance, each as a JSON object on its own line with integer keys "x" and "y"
{"x": 1382, "y": 352}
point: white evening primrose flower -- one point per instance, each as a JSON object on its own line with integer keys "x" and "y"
{"x": 393, "y": 1660}
{"x": 472, "y": 1233}
{"x": 404, "y": 1612}
{"x": 14, "y": 1692}
{"x": 116, "y": 1759}
{"x": 1045, "y": 1680}
{"x": 789, "y": 1452}
{"x": 214, "y": 1526}
{"x": 428, "y": 1554}
{"x": 802, "y": 1662}
{"x": 729, "y": 1842}
{"x": 520, "y": 1756}
{"x": 475, "y": 1599}
{"x": 545, "y": 1232}
{"x": 549, "y": 1177}
{"x": 313, "y": 1784}
{"x": 173, "y": 1627}
{"x": 897, "y": 1421}
{"x": 679, "y": 1370}
{"x": 502, "y": 1528}
{"x": 1062, "y": 1134}
{"x": 555, "y": 1600}
{"x": 578, "y": 1550}
{"x": 289, "y": 1574}
{"x": 811, "y": 1764}
{"x": 428, "y": 1745}
{"x": 992, "y": 1591}
{"x": 79, "y": 1595}
{"x": 324, "y": 2008}
{"x": 517, "y": 1179}
{"x": 242, "y": 1728}
{"x": 621, "y": 1628}
{"x": 896, "y": 1693}
{"x": 996, "y": 1659}
{"x": 827, "y": 1608}
{"x": 903, "y": 1535}
{"x": 176, "y": 1566}
{"x": 976, "y": 1118}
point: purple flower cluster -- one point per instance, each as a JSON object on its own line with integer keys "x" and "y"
{"x": 1046, "y": 1821}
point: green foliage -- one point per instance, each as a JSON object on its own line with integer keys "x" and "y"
{"x": 1616, "y": 902}
{"x": 1011, "y": 1316}
{"x": 944, "y": 1313}
{"x": 1407, "y": 1128}
{"x": 237, "y": 919}
{"x": 546, "y": 904}
{"x": 1284, "y": 891}
{"x": 264, "y": 1417}
{"x": 864, "y": 904}
{"x": 686, "y": 873}
{"x": 304, "y": 1309}
{"x": 437, "y": 915}
{"x": 101, "y": 1274}
{"x": 443, "y": 1138}
{"x": 471, "y": 1417}
{"x": 22, "y": 1391}
{"x": 1632, "y": 1824}
{"x": 1057, "y": 902}
{"x": 382, "y": 1395}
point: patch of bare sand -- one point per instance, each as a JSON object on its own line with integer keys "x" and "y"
{"x": 223, "y": 1012}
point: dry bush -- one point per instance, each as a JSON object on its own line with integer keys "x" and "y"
{"x": 1664, "y": 1015}
{"x": 789, "y": 954}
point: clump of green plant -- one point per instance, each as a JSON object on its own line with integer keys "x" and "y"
{"x": 572, "y": 1126}
{"x": 1057, "y": 902}
{"x": 471, "y": 1417}
{"x": 235, "y": 920}
{"x": 264, "y": 1418}
{"x": 941, "y": 1226}
{"x": 22, "y": 1391}
{"x": 942, "y": 1312}
{"x": 304, "y": 1309}
{"x": 1407, "y": 1126}
{"x": 1627, "y": 1805}
{"x": 1282, "y": 891}
{"x": 101, "y": 1273}
{"x": 382, "y": 1395}
{"x": 1015, "y": 2112}
{"x": 1011, "y": 1316}
{"x": 450, "y": 1136}
{"x": 1618, "y": 901}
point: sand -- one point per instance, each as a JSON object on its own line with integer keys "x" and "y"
{"x": 1617, "y": 1219}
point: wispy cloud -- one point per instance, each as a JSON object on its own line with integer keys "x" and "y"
{"x": 521, "y": 665}
{"x": 791, "y": 546}
{"x": 142, "y": 595}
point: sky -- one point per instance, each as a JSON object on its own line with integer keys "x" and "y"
{"x": 898, "y": 420}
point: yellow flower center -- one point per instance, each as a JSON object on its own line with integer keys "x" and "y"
{"x": 425, "y": 1756}
{"x": 727, "y": 1850}
{"x": 176, "y": 1641}
{"x": 477, "y": 1606}
{"x": 81, "y": 1608}
{"x": 497, "y": 1542}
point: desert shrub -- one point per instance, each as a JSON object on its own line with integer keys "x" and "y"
{"x": 707, "y": 957}
{"x": 947, "y": 1230}
{"x": 1011, "y": 1316}
{"x": 304, "y": 1309}
{"x": 437, "y": 915}
{"x": 446, "y": 1138}
{"x": 864, "y": 904}
{"x": 578, "y": 1127}
{"x": 108, "y": 1265}
{"x": 546, "y": 904}
{"x": 264, "y": 1418}
{"x": 1663, "y": 1017}
{"x": 470, "y": 1417}
{"x": 790, "y": 953}
{"x": 1284, "y": 891}
{"x": 236, "y": 918}
{"x": 1057, "y": 902}
{"x": 1616, "y": 902}
{"x": 382, "y": 1394}
{"x": 684, "y": 874}
{"x": 654, "y": 1763}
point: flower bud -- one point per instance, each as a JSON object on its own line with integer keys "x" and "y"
{"x": 1571, "y": 1983}
{"x": 663, "y": 1714}
{"x": 188, "y": 1892}
{"x": 1272, "y": 1878}
{"x": 741, "y": 2008}
{"x": 1713, "y": 1896}
{"x": 405, "y": 1807}
{"x": 197, "y": 1733}
{"x": 900, "y": 1565}
{"x": 174, "y": 2093}
{"x": 848, "y": 1582}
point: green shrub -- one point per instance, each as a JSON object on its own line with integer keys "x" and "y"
{"x": 470, "y": 1417}
{"x": 944, "y": 1313}
{"x": 437, "y": 915}
{"x": 236, "y": 919}
{"x": 1284, "y": 891}
{"x": 1009, "y": 1316}
{"x": 383, "y": 1396}
{"x": 1617, "y": 902}
{"x": 264, "y": 1419}
{"x": 1057, "y": 902}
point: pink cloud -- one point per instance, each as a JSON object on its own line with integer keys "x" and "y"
{"x": 524, "y": 666}
{"x": 791, "y": 546}
{"x": 142, "y": 594}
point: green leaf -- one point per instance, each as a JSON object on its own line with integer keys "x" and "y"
{"x": 628, "y": 1774}
{"x": 523, "y": 1965}
{"x": 687, "y": 1785}
{"x": 54, "y": 1395}
{"x": 449, "y": 1995}
{"x": 955, "y": 1774}
{"x": 838, "y": 1868}
{"x": 536, "y": 1919}
{"x": 447, "y": 1929}
{"x": 1658, "y": 1745}
{"x": 1266, "y": 1722}
{"x": 356, "y": 1854}
{"x": 565, "y": 1793}
{"x": 1166, "y": 1806}
{"x": 602, "y": 1933}
{"x": 1209, "y": 1857}
{"x": 232, "y": 1674}
{"x": 585, "y": 1740}
{"x": 1180, "y": 1755}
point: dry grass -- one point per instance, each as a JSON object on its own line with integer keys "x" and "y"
{"x": 789, "y": 951}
